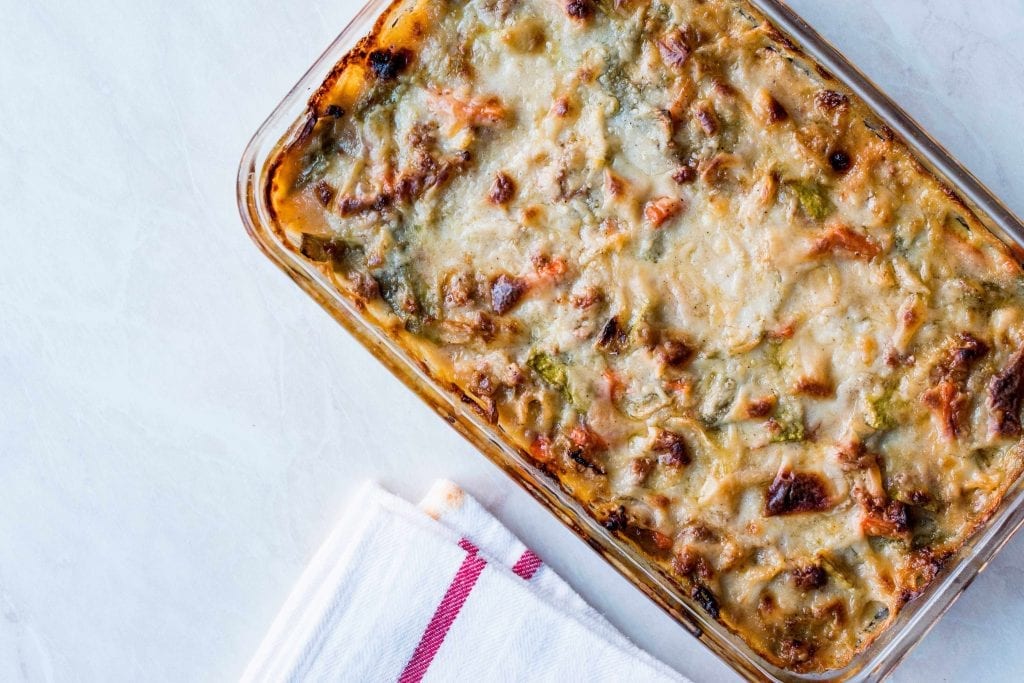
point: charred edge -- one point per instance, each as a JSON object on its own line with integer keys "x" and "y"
{"x": 781, "y": 38}
{"x": 576, "y": 454}
{"x": 356, "y": 54}
{"x": 612, "y": 338}
{"x": 387, "y": 64}
{"x": 885, "y": 518}
{"x": 706, "y": 599}
{"x": 650, "y": 541}
{"x": 926, "y": 565}
{"x": 616, "y": 519}
{"x": 840, "y": 161}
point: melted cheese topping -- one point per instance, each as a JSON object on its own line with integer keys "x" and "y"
{"x": 690, "y": 275}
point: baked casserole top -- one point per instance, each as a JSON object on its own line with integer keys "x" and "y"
{"x": 692, "y": 277}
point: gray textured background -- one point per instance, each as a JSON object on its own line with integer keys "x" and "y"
{"x": 179, "y": 424}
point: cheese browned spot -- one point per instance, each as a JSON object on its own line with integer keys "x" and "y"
{"x": 689, "y": 275}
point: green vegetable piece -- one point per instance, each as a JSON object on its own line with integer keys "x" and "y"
{"x": 315, "y": 247}
{"x": 984, "y": 456}
{"x": 788, "y": 423}
{"x": 552, "y": 371}
{"x": 313, "y": 168}
{"x": 834, "y": 573}
{"x": 397, "y": 284}
{"x": 882, "y": 410}
{"x": 814, "y": 200}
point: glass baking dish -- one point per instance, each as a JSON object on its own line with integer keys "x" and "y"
{"x": 913, "y": 622}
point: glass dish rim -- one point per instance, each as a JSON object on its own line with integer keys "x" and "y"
{"x": 913, "y": 622}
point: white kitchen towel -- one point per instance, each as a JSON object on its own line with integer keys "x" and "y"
{"x": 439, "y": 593}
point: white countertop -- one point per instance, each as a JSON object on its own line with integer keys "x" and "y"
{"x": 179, "y": 424}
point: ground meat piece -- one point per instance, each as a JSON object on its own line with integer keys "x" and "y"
{"x": 364, "y": 285}
{"x": 579, "y": 9}
{"x": 685, "y": 175}
{"x": 587, "y": 298}
{"x": 761, "y": 407}
{"x": 324, "y": 192}
{"x": 675, "y": 48}
{"x": 502, "y": 189}
{"x": 584, "y": 444}
{"x": 459, "y": 290}
{"x": 639, "y": 468}
{"x": 706, "y": 118}
{"x": 674, "y": 352}
{"x": 483, "y": 384}
{"x": 855, "y": 456}
{"x": 794, "y": 492}
{"x": 540, "y": 449}
{"x": 809, "y": 577}
{"x": 671, "y": 449}
{"x": 506, "y": 291}
{"x": 689, "y": 562}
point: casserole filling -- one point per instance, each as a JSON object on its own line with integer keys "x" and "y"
{"x": 692, "y": 277}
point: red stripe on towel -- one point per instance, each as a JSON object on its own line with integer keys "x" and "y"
{"x": 445, "y": 614}
{"x": 527, "y": 565}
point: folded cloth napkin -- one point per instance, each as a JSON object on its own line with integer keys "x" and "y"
{"x": 441, "y": 592}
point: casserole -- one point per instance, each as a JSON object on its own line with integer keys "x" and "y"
{"x": 908, "y": 525}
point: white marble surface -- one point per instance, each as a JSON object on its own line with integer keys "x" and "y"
{"x": 179, "y": 424}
